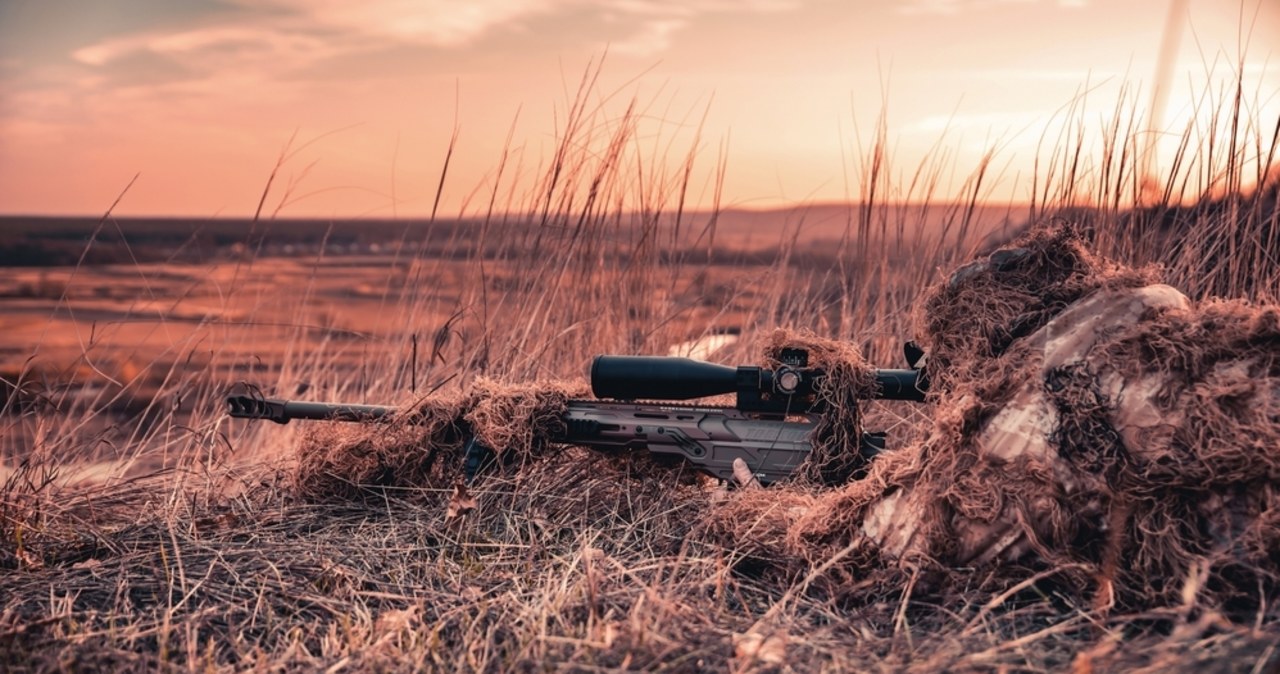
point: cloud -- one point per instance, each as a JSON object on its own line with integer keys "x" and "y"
{"x": 694, "y": 7}
{"x": 997, "y": 122}
{"x": 652, "y": 38}
{"x": 266, "y": 52}
{"x": 280, "y": 35}
{"x": 194, "y": 47}
{"x": 1076, "y": 76}
{"x": 952, "y": 7}
{"x": 657, "y": 21}
{"x": 283, "y": 36}
{"x": 441, "y": 23}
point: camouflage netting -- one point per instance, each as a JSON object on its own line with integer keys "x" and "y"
{"x": 1086, "y": 417}
{"x": 425, "y": 447}
{"x": 848, "y": 379}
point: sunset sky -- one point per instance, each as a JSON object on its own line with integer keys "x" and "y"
{"x": 198, "y": 97}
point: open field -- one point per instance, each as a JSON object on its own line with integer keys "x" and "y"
{"x": 141, "y": 528}
{"x": 316, "y": 306}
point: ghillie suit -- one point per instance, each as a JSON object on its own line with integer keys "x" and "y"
{"x": 1086, "y": 417}
{"x": 848, "y": 378}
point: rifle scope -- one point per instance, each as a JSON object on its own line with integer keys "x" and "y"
{"x": 663, "y": 378}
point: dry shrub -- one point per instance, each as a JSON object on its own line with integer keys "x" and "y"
{"x": 755, "y": 526}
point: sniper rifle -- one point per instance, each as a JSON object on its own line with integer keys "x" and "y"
{"x": 770, "y": 427}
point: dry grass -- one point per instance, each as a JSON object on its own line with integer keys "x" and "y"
{"x": 200, "y": 553}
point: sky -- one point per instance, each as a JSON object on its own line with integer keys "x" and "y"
{"x": 189, "y": 104}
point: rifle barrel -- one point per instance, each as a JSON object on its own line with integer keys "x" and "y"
{"x": 283, "y": 411}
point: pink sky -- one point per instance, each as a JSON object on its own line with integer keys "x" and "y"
{"x": 198, "y": 97}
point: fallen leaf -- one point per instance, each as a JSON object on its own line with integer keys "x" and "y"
{"x": 397, "y": 620}
{"x": 460, "y": 503}
{"x": 28, "y": 561}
